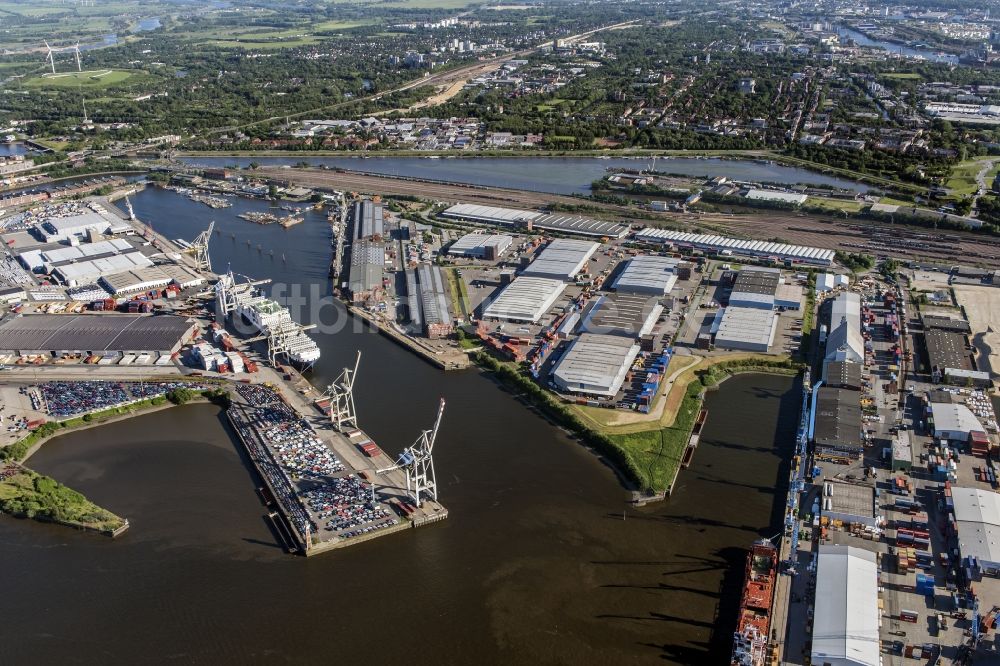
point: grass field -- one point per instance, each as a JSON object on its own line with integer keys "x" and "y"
{"x": 963, "y": 178}
{"x": 903, "y": 76}
{"x": 94, "y": 79}
{"x": 835, "y": 204}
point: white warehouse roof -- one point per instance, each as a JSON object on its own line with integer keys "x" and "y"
{"x": 953, "y": 418}
{"x": 563, "y": 258}
{"x": 770, "y": 195}
{"x": 83, "y": 272}
{"x": 647, "y": 274}
{"x": 525, "y": 299}
{"x": 474, "y": 245}
{"x": 595, "y": 364}
{"x": 846, "y": 620}
{"x": 811, "y": 255}
{"x": 744, "y": 328}
{"x": 490, "y": 214}
{"x": 977, "y": 513}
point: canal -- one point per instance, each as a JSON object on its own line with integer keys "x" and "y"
{"x": 539, "y": 562}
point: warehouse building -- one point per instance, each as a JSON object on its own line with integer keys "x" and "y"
{"x": 561, "y": 259}
{"x": 481, "y": 246}
{"x": 577, "y": 226}
{"x": 946, "y": 351}
{"x": 140, "y": 280}
{"x": 428, "y": 299}
{"x": 954, "y": 421}
{"x": 526, "y": 299}
{"x": 843, "y": 374}
{"x": 45, "y": 260}
{"x": 837, "y": 424}
{"x": 365, "y": 274}
{"x": 647, "y": 274}
{"x": 750, "y": 329}
{"x": 749, "y": 248}
{"x": 58, "y": 229}
{"x": 946, "y": 324}
{"x": 846, "y": 613}
{"x": 595, "y": 365}
{"x": 788, "y": 296}
{"x": 86, "y": 272}
{"x": 489, "y": 214}
{"x": 533, "y": 220}
{"x": 844, "y": 342}
{"x": 977, "y": 513}
{"x": 830, "y": 281}
{"x": 369, "y": 220}
{"x": 755, "y": 288}
{"x": 777, "y": 197}
{"x": 627, "y": 315}
{"x": 58, "y": 334}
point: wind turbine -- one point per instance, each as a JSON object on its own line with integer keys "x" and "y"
{"x": 76, "y": 51}
{"x": 51, "y": 58}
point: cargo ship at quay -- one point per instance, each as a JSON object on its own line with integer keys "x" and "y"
{"x": 272, "y": 321}
{"x": 750, "y": 642}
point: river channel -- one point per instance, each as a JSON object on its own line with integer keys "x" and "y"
{"x": 540, "y": 562}
{"x": 558, "y": 175}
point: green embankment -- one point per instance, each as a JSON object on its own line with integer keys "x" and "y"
{"x": 648, "y": 458}
{"x": 31, "y": 495}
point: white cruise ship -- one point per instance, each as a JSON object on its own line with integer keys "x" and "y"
{"x": 287, "y": 337}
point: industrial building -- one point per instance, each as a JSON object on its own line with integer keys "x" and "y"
{"x": 57, "y": 334}
{"x": 628, "y": 315}
{"x": 369, "y": 220}
{"x": 595, "y": 365}
{"x": 788, "y": 296}
{"x": 750, "y": 329}
{"x": 525, "y": 299}
{"x": 844, "y": 341}
{"x": 852, "y": 503}
{"x": 846, "y": 615}
{"x": 830, "y": 281}
{"x": 45, "y": 260}
{"x": 489, "y": 214}
{"x": 129, "y": 283}
{"x": 577, "y": 226}
{"x": 934, "y": 322}
{"x": 647, "y": 274}
{"x": 428, "y": 299}
{"x": 561, "y": 259}
{"x": 750, "y": 248}
{"x": 58, "y": 229}
{"x": 953, "y": 421}
{"x": 977, "y": 513}
{"x": 85, "y": 272}
{"x": 946, "y": 350}
{"x": 367, "y": 269}
{"x": 755, "y": 288}
{"x": 533, "y": 220}
{"x": 481, "y": 246}
{"x": 777, "y": 197}
{"x": 843, "y": 374}
{"x": 837, "y": 425}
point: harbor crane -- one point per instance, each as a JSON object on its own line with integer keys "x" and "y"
{"x": 341, "y": 395}
{"x": 418, "y": 463}
{"x": 199, "y": 248}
